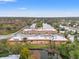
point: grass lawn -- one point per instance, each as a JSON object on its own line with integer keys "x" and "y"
{"x": 37, "y": 46}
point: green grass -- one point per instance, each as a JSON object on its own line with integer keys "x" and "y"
{"x": 37, "y": 46}
{"x": 4, "y": 53}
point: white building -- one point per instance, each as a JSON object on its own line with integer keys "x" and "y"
{"x": 45, "y": 29}
{"x": 40, "y": 39}
{"x": 39, "y": 35}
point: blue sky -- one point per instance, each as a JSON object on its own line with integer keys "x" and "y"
{"x": 39, "y": 8}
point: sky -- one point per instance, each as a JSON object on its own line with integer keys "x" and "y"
{"x": 39, "y": 8}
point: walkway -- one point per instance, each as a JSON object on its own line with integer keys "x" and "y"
{"x": 36, "y": 54}
{"x": 10, "y": 57}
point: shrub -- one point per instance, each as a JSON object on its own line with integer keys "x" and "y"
{"x": 25, "y": 53}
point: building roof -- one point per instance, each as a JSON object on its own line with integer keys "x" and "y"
{"x": 16, "y": 39}
{"x": 40, "y": 37}
{"x": 46, "y": 27}
{"x": 58, "y": 38}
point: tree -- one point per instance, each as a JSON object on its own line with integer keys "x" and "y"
{"x": 39, "y": 24}
{"x": 65, "y": 34}
{"x": 70, "y": 50}
{"x": 24, "y": 40}
{"x": 64, "y": 51}
{"x": 4, "y": 50}
{"x": 25, "y": 53}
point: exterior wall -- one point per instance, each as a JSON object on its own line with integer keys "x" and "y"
{"x": 39, "y": 42}
{"x": 39, "y": 32}
{"x": 59, "y": 42}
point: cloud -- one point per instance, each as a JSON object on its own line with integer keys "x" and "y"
{"x": 22, "y": 8}
{"x": 7, "y": 0}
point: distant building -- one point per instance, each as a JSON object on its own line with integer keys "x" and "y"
{"x": 45, "y": 29}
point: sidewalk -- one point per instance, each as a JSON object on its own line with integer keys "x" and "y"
{"x": 36, "y": 55}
